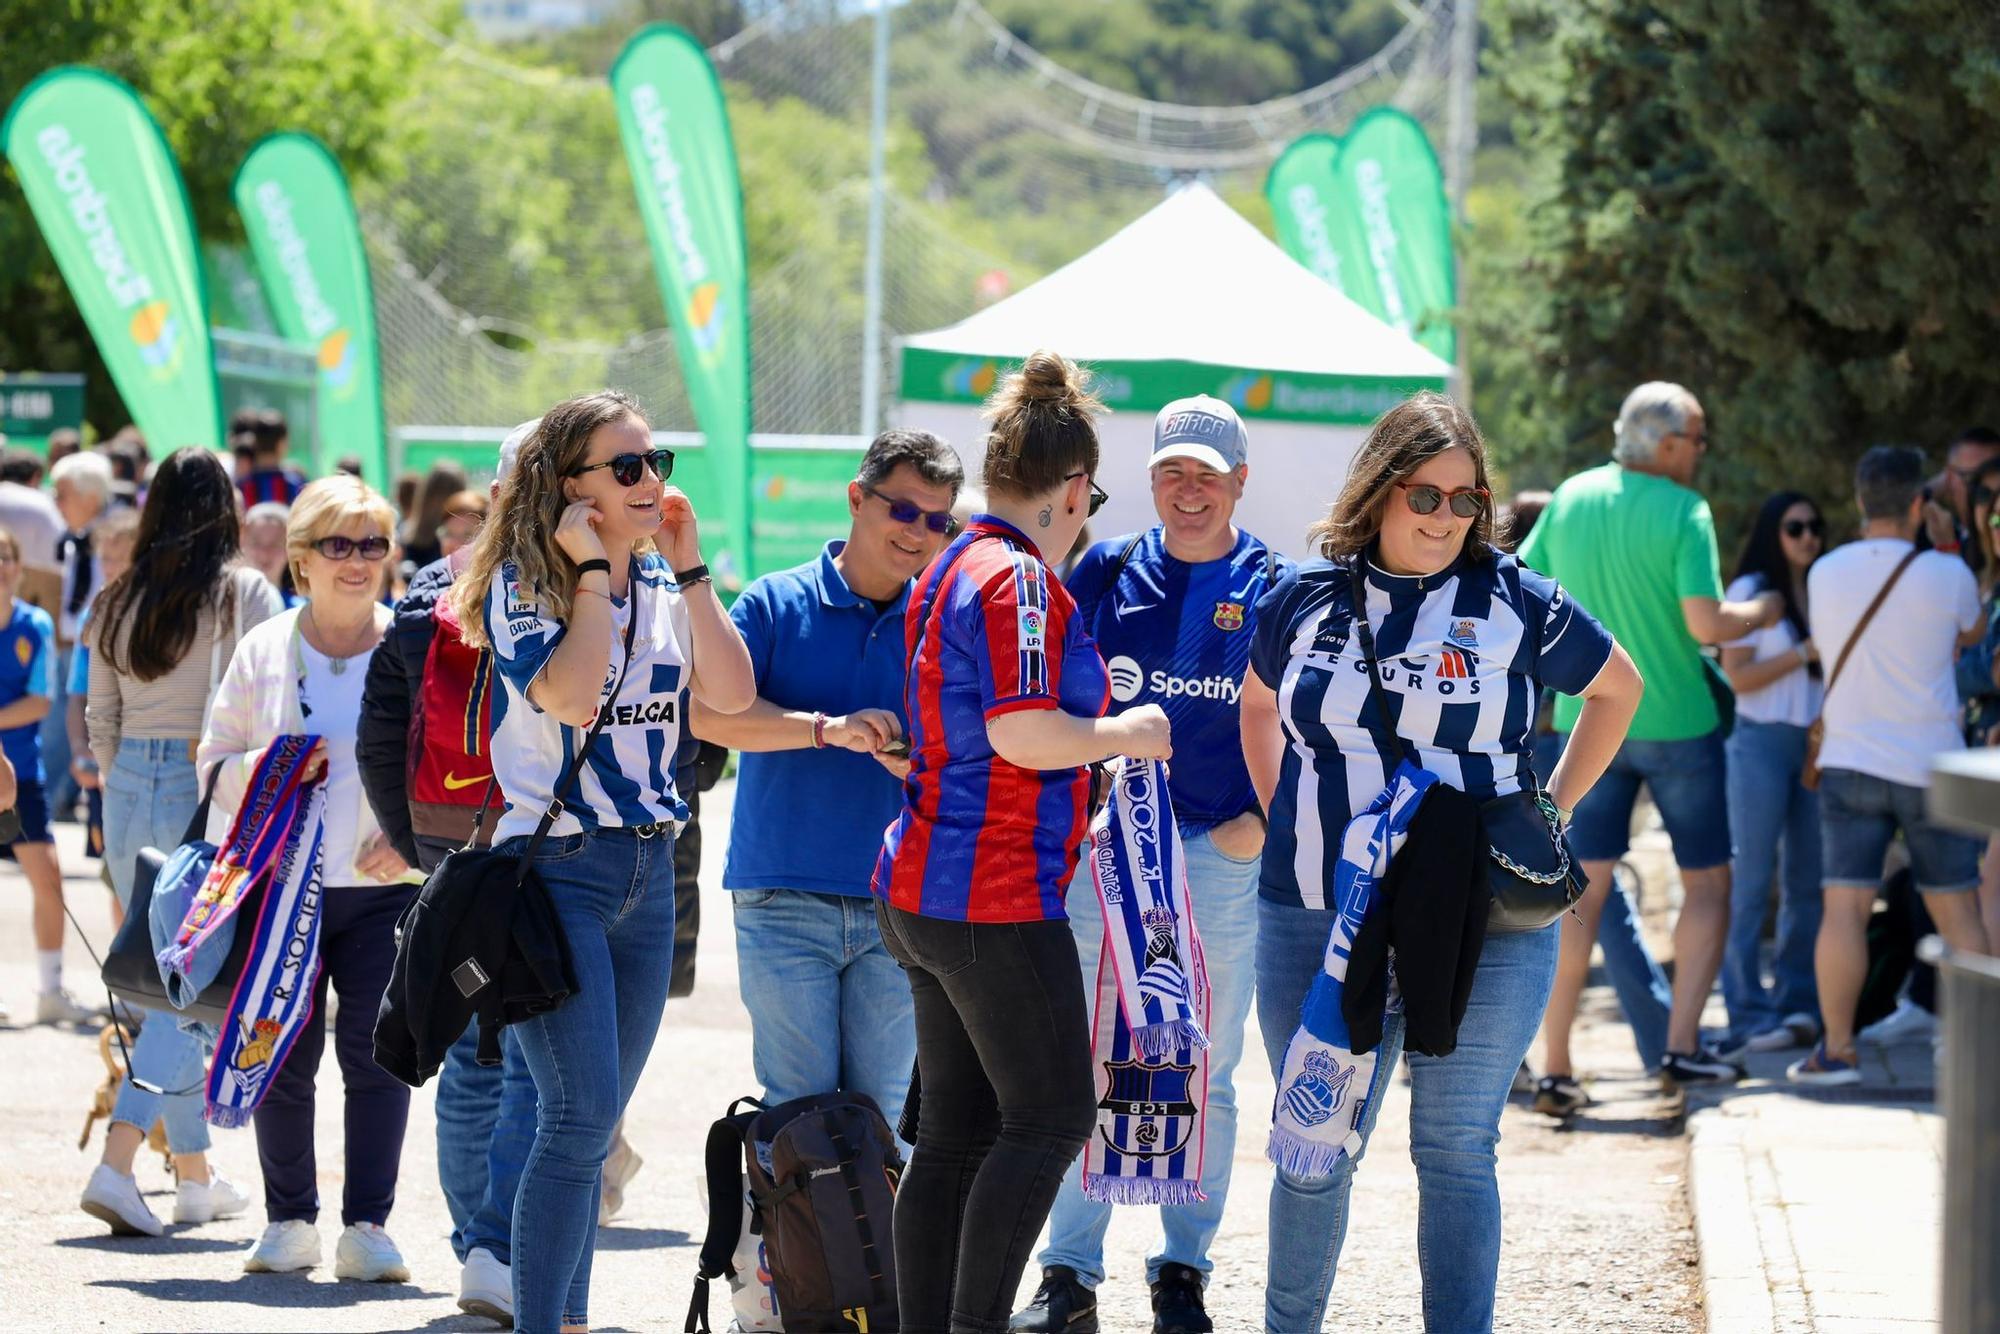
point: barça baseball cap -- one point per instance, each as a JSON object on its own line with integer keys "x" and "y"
{"x": 510, "y": 448}
{"x": 1201, "y": 428}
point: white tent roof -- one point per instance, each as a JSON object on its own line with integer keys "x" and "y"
{"x": 1190, "y": 281}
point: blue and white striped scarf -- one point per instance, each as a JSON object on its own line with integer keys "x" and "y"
{"x": 1149, "y": 1039}
{"x": 1326, "y": 1089}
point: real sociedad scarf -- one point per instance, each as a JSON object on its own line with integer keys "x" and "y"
{"x": 275, "y": 839}
{"x": 1326, "y": 1090}
{"x": 1149, "y": 1039}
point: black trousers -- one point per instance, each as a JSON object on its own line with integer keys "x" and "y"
{"x": 357, "y": 945}
{"x": 1003, "y": 1057}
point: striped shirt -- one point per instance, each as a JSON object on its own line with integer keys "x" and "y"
{"x": 1463, "y": 656}
{"x": 990, "y": 631}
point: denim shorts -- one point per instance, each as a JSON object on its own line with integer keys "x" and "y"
{"x": 1859, "y": 814}
{"x": 1686, "y": 781}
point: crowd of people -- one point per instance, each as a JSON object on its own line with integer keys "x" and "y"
{"x": 923, "y": 716}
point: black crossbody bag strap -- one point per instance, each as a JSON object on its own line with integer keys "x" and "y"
{"x": 1381, "y": 696}
{"x": 575, "y": 769}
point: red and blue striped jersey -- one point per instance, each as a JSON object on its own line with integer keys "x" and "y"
{"x": 989, "y": 631}
{"x": 266, "y": 484}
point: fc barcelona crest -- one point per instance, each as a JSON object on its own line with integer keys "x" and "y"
{"x": 1229, "y": 616}
{"x": 1147, "y": 1111}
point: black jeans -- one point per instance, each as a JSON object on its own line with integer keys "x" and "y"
{"x": 1003, "y": 1059}
{"x": 357, "y": 946}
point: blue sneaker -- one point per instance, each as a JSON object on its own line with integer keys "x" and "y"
{"x": 1824, "y": 1069}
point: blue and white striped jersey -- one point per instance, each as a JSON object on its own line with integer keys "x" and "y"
{"x": 629, "y": 779}
{"x": 1464, "y": 654}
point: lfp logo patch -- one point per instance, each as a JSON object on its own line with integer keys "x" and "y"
{"x": 336, "y": 362}
{"x": 971, "y": 379}
{"x": 159, "y": 338}
{"x": 1248, "y": 393}
{"x": 707, "y": 313}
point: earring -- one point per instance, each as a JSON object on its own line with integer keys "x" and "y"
{"x": 1070, "y": 510}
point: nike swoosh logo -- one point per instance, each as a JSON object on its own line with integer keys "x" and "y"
{"x": 452, "y": 783}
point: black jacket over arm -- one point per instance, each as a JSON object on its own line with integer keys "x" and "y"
{"x": 395, "y": 676}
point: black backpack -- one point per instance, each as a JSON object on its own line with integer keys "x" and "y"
{"x": 823, "y": 1172}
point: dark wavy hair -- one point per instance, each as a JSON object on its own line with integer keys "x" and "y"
{"x": 186, "y": 544}
{"x": 1402, "y": 440}
{"x": 1763, "y": 555}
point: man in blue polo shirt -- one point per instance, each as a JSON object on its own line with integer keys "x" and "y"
{"x": 1171, "y": 608}
{"x": 818, "y": 782}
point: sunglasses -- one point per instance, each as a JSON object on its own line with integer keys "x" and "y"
{"x": 902, "y": 511}
{"x": 1098, "y": 495}
{"x": 1800, "y": 527}
{"x": 340, "y": 548}
{"x": 630, "y": 469}
{"x": 1466, "y": 501}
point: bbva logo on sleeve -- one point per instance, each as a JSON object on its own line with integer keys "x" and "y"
{"x": 1129, "y": 680}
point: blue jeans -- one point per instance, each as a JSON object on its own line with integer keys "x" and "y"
{"x": 1860, "y": 814}
{"x": 1769, "y": 807}
{"x": 485, "y": 1130}
{"x": 829, "y": 1006}
{"x": 614, "y": 894}
{"x": 149, "y": 796}
{"x": 1224, "y": 894}
{"x": 1455, "y": 1105}
{"x": 55, "y": 742}
{"x": 1682, "y": 778}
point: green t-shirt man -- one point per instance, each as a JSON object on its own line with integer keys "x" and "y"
{"x": 1628, "y": 546}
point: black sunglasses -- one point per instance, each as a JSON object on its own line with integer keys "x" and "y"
{"x": 902, "y": 511}
{"x": 1098, "y": 495}
{"x": 628, "y": 469}
{"x": 1800, "y": 527}
{"x": 340, "y": 548}
{"x": 1466, "y": 501}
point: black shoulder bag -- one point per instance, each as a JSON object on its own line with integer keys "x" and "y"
{"x": 1531, "y": 872}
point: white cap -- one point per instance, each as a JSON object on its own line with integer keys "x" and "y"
{"x": 510, "y": 448}
{"x": 1201, "y": 428}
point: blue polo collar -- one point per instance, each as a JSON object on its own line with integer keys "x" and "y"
{"x": 834, "y": 592}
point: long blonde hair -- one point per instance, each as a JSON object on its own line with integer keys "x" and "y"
{"x": 521, "y": 530}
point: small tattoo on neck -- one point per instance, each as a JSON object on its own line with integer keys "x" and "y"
{"x": 1047, "y": 516}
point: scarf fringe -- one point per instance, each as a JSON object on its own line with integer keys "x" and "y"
{"x": 228, "y": 1116}
{"x": 1141, "y": 1190}
{"x": 1309, "y": 1159}
{"x": 1156, "y": 1042}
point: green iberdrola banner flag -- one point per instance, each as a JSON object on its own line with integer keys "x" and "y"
{"x": 300, "y": 218}
{"x": 675, "y": 128}
{"x": 1304, "y": 198}
{"x": 111, "y": 203}
{"x": 1393, "y": 229}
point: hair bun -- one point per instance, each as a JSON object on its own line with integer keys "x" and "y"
{"x": 1048, "y": 377}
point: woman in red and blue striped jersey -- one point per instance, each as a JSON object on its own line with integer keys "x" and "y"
{"x": 1005, "y": 697}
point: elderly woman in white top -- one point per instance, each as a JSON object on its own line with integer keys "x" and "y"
{"x": 302, "y": 672}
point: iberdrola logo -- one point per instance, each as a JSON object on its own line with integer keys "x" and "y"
{"x": 971, "y": 379}
{"x": 336, "y": 362}
{"x": 1248, "y": 393}
{"x": 159, "y": 338}
{"x": 705, "y": 313}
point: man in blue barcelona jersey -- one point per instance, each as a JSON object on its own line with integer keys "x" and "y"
{"x": 1171, "y": 609}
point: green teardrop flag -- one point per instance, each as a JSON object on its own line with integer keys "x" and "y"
{"x": 302, "y": 226}
{"x": 675, "y": 129}
{"x": 1303, "y": 195}
{"x": 111, "y": 204}
{"x": 1393, "y": 228}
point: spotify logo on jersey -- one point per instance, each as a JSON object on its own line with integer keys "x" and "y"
{"x": 1128, "y": 678}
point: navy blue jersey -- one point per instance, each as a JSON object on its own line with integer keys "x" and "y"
{"x": 1178, "y": 635}
{"x": 1463, "y": 653}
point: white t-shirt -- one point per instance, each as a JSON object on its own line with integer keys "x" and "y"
{"x": 1793, "y": 698}
{"x": 1895, "y": 706}
{"x": 629, "y": 778}
{"x": 331, "y": 704}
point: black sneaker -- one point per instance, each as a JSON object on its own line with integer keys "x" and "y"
{"x": 1177, "y": 1307}
{"x": 1559, "y": 1095}
{"x": 1062, "y": 1305}
{"x": 1702, "y": 1066}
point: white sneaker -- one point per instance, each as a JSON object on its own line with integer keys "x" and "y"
{"x": 285, "y": 1248}
{"x": 59, "y": 1007}
{"x": 1906, "y": 1023}
{"x": 206, "y": 1201}
{"x": 366, "y": 1253}
{"x": 620, "y": 1166}
{"x": 486, "y": 1288}
{"x": 114, "y": 1197}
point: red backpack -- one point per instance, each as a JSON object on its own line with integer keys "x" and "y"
{"x": 451, "y": 729}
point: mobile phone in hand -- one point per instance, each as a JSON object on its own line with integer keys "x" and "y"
{"x": 899, "y": 748}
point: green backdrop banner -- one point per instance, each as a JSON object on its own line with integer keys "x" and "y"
{"x": 675, "y": 128}
{"x": 1393, "y": 229}
{"x": 1304, "y": 199}
{"x": 110, "y": 201}
{"x": 300, "y": 219}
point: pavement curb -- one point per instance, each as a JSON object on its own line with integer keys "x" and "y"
{"x": 1735, "y": 1289}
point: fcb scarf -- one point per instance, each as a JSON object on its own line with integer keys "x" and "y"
{"x": 1326, "y": 1090}
{"x": 1149, "y": 1039}
{"x": 275, "y": 840}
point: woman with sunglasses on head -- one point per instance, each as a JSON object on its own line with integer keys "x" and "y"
{"x": 1006, "y": 698}
{"x": 588, "y": 585}
{"x": 1466, "y": 637}
{"x": 1777, "y": 676}
{"x": 301, "y": 672}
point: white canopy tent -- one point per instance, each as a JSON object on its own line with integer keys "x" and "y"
{"x": 1189, "y": 299}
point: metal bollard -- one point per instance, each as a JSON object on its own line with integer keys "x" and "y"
{"x": 1970, "y": 1099}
